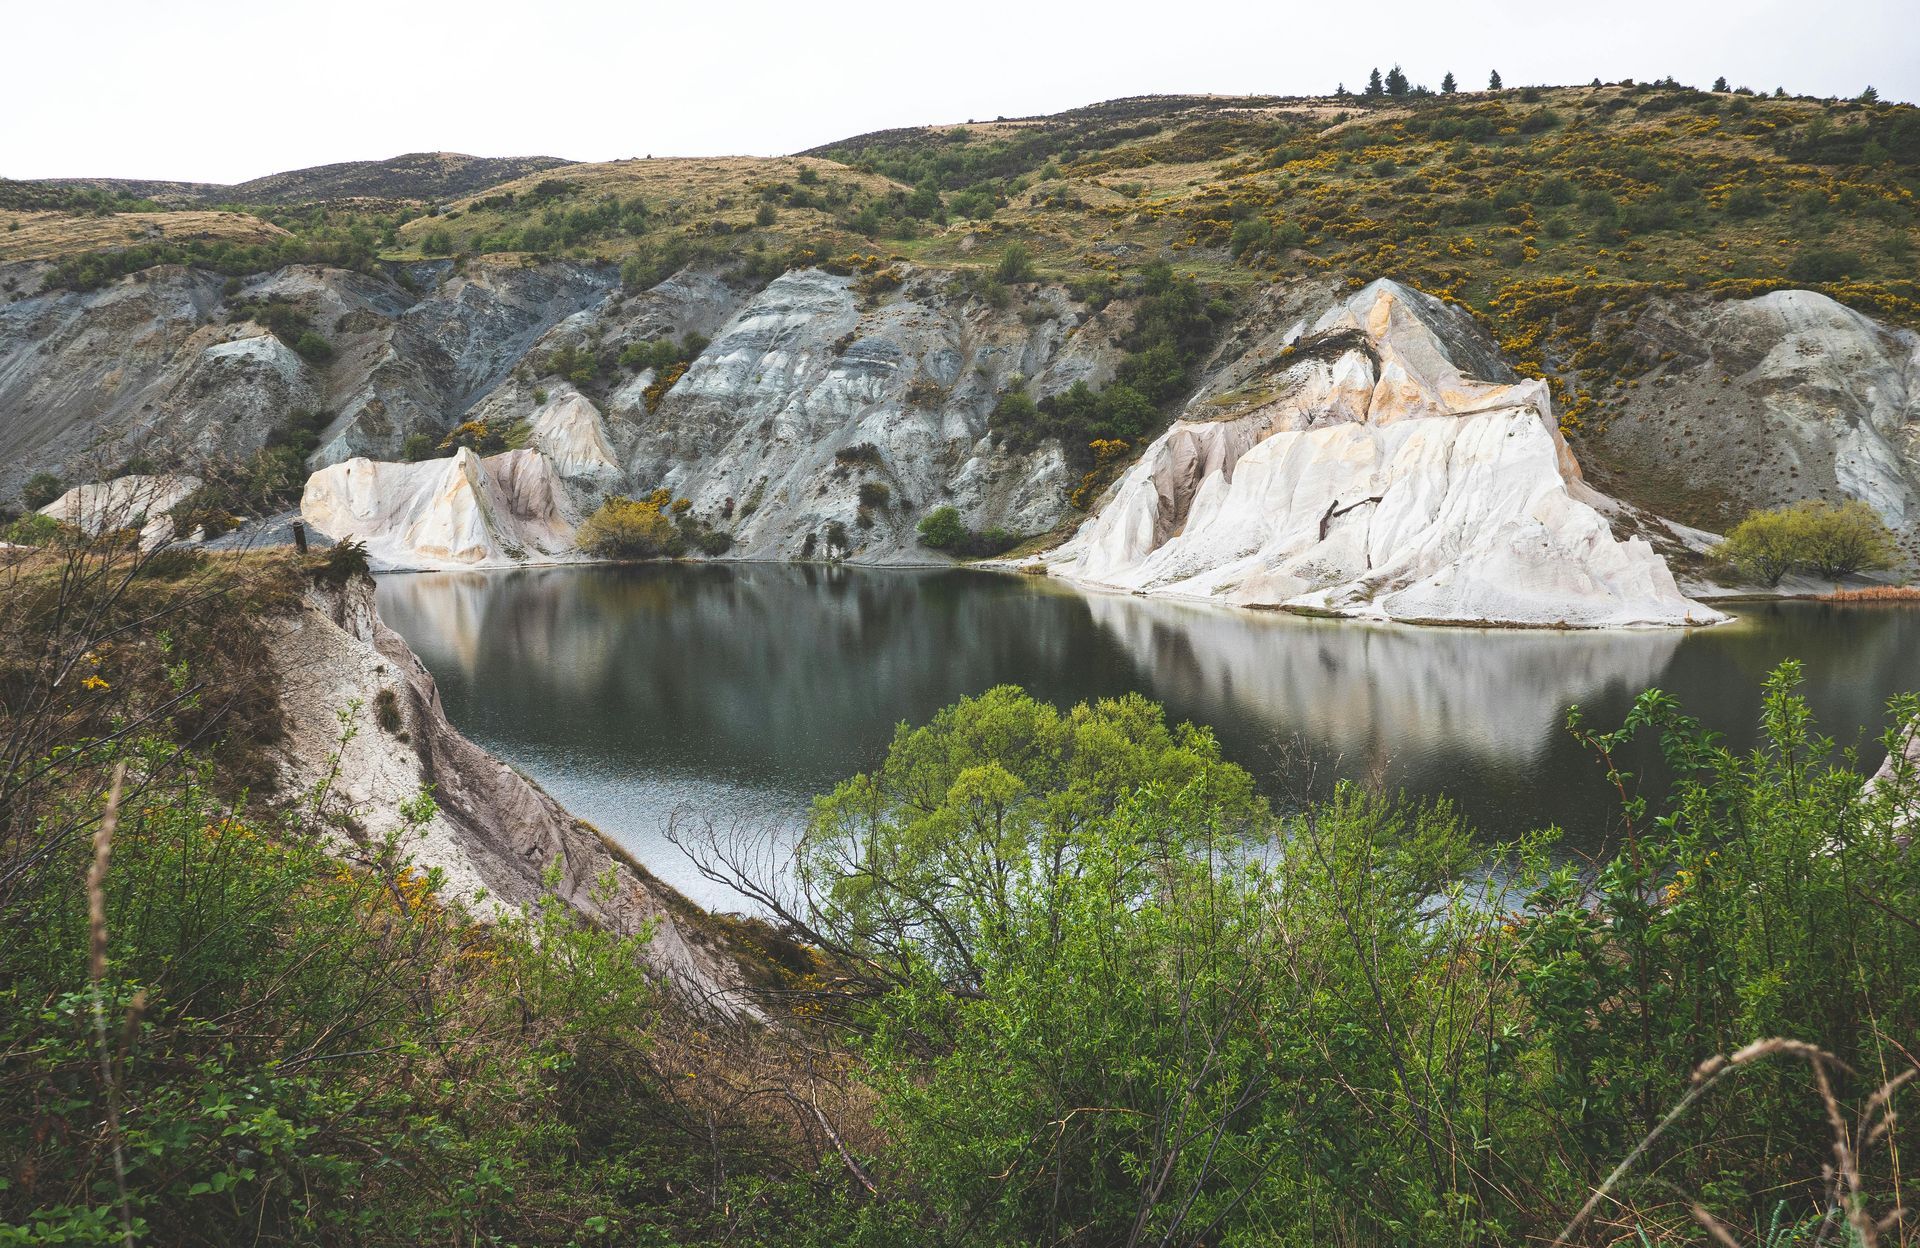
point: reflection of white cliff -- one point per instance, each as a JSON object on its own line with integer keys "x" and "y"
{"x": 1383, "y": 692}
{"x": 1384, "y": 465}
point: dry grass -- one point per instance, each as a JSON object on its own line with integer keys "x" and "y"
{"x": 681, "y": 191}
{"x": 51, "y": 235}
{"x": 1875, "y": 593}
{"x": 1856, "y": 1132}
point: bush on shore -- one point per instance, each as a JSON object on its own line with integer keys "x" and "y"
{"x": 942, "y": 529}
{"x": 1825, "y": 539}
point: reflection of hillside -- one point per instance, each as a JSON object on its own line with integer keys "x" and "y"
{"x": 1375, "y": 692}
{"x": 725, "y": 667}
{"x": 745, "y": 689}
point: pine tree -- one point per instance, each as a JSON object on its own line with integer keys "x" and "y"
{"x": 1493, "y": 81}
{"x": 1396, "y": 82}
{"x": 1720, "y": 83}
{"x": 1373, "y": 82}
{"x": 1870, "y": 96}
{"x": 1340, "y": 92}
{"x": 1447, "y": 85}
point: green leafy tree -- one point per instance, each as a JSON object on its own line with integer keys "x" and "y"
{"x": 922, "y": 862}
{"x": 1396, "y": 82}
{"x": 1447, "y": 84}
{"x": 1016, "y": 265}
{"x": 1493, "y": 81}
{"x": 1830, "y": 540}
{"x": 942, "y": 529}
{"x": 1839, "y": 540}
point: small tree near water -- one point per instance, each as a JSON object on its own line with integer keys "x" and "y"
{"x": 627, "y": 528}
{"x": 1827, "y": 539}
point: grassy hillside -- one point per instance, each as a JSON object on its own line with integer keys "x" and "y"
{"x": 1543, "y": 210}
{"x": 53, "y": 235}
{"x": 427, "y": 176}
{"x": 664, "y": 213}
{"x": 1552, "y": 213}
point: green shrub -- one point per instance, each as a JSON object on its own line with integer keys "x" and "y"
{"x": 41, "y": 488}
{"x": 1825, "y": 264}
{"x": 626, "y": 528}
{"x": 1016, "y": 265}
{"x": 312, "y": 347}
{"x": 340, "y": 563}
{"x": 1075, "y": 927}
{"x": 386, "y": 712}
{"x": 1747, "y": 201}
{"x": 34, "y": 529}
{"x": 283, "y": 1028}
{"x": 875, "y": 494}
{"x": 943, "y": 529}
{"x": 1822, "y": 538}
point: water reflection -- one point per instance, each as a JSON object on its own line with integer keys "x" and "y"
{"x": 740, "y": 691}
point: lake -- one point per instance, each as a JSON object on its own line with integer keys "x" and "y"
{"x": 735, "y": 692}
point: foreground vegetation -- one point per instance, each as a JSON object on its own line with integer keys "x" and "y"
{"x": 1049, "y": 976}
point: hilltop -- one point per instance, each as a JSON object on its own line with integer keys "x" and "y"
{"x": 419, "y": 176}
{"x": 1615, "y": 240}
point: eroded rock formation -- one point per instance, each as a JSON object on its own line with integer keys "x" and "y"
{"x": 463, "y": 512}
{"x": 1383, "y": 464}
{"x": 495, "y": 833}
{"x": 1761, "y": 402}
{"x": 138, "y": 501}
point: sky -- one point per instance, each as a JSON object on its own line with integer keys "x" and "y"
{"x": 222, "y": 92}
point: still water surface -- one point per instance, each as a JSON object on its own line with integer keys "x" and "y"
{"x": 736, "y": 692}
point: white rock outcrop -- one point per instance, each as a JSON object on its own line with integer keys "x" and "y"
{"x": 123, "y": 503}
{"x": 1359, "y": 469}
{"x": 569, "y": 432}
{"x": 465, "y": 512}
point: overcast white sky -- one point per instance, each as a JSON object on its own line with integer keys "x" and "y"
{"x": 222, "y": 92}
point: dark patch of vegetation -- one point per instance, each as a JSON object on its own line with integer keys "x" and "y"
{"x": 656, "y": 527}
{"x": 41, "y": 488}
{"x": 339, "y": 563}
{"x": 943, "y": 529}
{"x": 861, "y": 454}
{"x": 259, "y": 485}
{"x": 1174, "y": 323}
{"x": 91, "y": 270}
